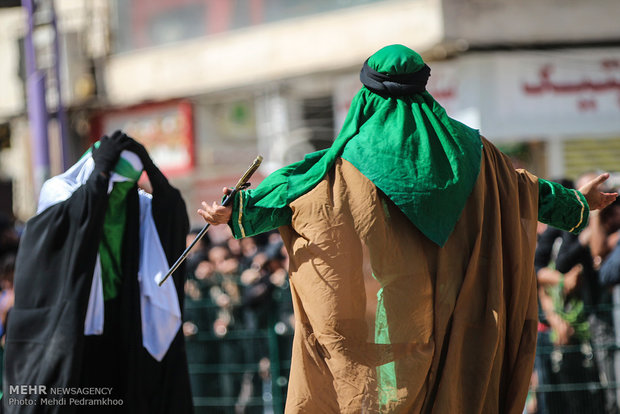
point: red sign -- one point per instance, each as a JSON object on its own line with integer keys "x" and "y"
{"x": 165, "y": 130}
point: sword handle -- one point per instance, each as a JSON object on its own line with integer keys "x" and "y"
{"x": 241, "y": 184}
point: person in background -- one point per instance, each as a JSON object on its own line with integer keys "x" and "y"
{"x": 589, "y": 249}
{"x": 605, "y": 246}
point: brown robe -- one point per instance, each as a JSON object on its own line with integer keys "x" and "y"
{"x": 458, "y": 323}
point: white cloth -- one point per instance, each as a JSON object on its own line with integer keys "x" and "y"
{"x": 93, "y": 325}
{"x": 159, "y": 306}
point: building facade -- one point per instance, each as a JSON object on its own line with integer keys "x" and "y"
{"x": 209, "y": 84}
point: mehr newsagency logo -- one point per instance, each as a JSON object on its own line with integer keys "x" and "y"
{"x": 30, "y": 395}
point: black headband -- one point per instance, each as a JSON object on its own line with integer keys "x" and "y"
{"x": 394, "y": 85}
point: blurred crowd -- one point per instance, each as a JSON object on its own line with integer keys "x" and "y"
{"x": 574, "y": 368}
{"x": 243, "y": 282}
{"x": 237, "y": 300}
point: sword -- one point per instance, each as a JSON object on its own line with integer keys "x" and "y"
{"x": 241, "y": 184}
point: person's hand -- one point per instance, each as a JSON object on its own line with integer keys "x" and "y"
{"x": 564, "y": 332}
{"x": 596, "y": 199}
{"x": 216, "y": 214}
{"x": 107, "y": 154}
{"x": 562, "y": 329}
{"x": 571, "y": 278}
{"x": 140, "y": 151}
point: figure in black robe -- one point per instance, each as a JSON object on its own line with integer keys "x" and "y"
{"x": 46, "y": 345}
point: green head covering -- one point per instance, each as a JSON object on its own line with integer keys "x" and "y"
{"x": 424, "y": 161}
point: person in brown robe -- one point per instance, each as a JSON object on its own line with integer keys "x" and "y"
{"x": 453, "y": 323}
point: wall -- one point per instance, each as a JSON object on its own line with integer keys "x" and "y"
{"x": 507, "y": 22}
{"x": 324, "y": 42}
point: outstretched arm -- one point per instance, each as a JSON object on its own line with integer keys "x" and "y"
{"x": 568, "y": 209}
{"x": 244, "y": 217}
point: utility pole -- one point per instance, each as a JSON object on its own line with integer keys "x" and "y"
{"x": 42, "y": 16}
{"x": 36, "y": 103}
{"x": 60, "y": 110}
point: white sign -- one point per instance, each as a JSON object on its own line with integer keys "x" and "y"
{"x": 570, "y": 92}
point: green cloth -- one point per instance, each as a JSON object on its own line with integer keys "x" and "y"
{"x": 424, "y": 161}
{"x": 572, "y": 310}
{"x": 560, "y": 207}
{"x": 111, "y": 244}
{"x": 432, "y": 163}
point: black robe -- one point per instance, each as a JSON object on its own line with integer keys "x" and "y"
{"x": 45, "y": 343}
